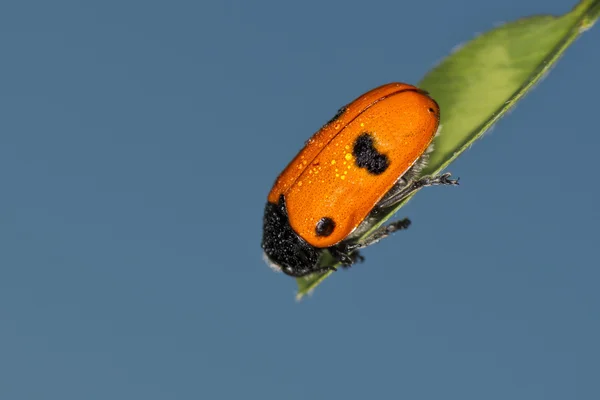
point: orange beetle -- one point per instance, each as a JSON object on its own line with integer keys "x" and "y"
{"x": 364, "y": 160}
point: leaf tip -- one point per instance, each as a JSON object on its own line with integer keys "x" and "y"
{"x": 301, "y": 294}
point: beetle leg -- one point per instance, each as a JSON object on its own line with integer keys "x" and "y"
{"x": 381, "y": 233}
{"x": 345, "y": 255}
{"x": 413, "y": 186}
{"x": 308, "y": 271}
{"x": 348, "y": 254}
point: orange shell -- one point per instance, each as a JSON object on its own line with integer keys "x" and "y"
{"x": 325, "y": 179}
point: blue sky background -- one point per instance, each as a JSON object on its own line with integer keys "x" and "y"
{"x": 138, "y": 142}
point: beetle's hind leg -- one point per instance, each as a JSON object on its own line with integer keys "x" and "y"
{"x": 380, "y": 233}
{"x": 412, "y": 186}
{"x": 348, "y": 254}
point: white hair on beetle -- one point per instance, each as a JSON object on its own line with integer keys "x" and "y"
{"x": 270, "y": 263}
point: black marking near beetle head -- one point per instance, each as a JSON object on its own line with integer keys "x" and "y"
{"x": 325, "y": 226}
{"x": 367, "y": 156}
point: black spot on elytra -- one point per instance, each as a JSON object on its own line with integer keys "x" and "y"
{"x": 337, "y": 115}
{"x": 325, "y": 226}
{"x": 367, "y": 156}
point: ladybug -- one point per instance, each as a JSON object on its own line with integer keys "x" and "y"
{"x": 359, "y": 165}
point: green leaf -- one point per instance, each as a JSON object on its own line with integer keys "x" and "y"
{"x": 481, "y": 81}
